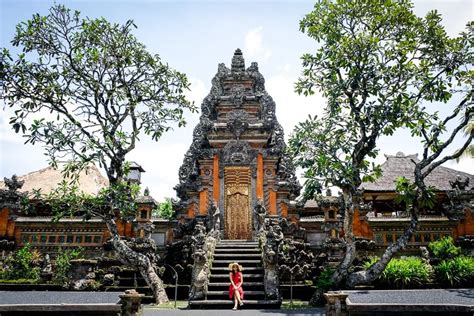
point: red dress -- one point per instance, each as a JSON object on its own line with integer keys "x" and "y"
{"x": 237, "y": 279}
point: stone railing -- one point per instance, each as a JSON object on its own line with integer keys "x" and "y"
{"x": 270, "y": 237}
{"x": 203, "y": 256}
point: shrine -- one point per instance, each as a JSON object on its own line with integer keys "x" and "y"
{"x": 237, "y": 159}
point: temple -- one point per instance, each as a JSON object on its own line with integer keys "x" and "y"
{"x": 237, "y": 200}
{"x": 237, "y": 158}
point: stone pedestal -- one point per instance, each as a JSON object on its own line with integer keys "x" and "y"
{"x": 336, "y": 303}
{"x": 131, "y": 303}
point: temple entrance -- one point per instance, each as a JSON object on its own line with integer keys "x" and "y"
{"x": 237, "y": 214}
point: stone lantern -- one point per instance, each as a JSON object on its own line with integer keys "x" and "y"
{"x": 135, "y": 173}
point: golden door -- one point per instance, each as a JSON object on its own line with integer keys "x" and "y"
{"x": 237, "y": 216}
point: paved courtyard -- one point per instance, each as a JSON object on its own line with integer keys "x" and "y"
{"x": 414, "y": 297}
{"x": 219, "y": 312}
{"x": 449, "y": 300}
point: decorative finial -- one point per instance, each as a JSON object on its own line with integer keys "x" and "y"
{"x": 146, "y": 192}
{"x": 14, "y": 183}
{"x": 238, "y": 62}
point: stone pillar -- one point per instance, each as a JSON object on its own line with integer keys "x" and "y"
{"x": 131, "y": 303}
{"x": 336, "y": 303}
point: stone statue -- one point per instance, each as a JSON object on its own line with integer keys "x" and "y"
{"x": 259, "y": 213}
{"x": 47, "y": 268}
{"x": 200, "y": 277}
{"x": 459, "y": 184}
{"x": 216, "y": 218}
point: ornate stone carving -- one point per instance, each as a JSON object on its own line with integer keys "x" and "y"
{"x": 13, "y": 184}
{"x": 237, "y": 122}
{"x": 259, "y": 215}
{"x": 459, "y": 184}
{"x": 269, "y": 239}
{"x": 215, "y": 214}
{"x": 204, "y": 244}
{"x": 11, "y": 198}
{"x": 238, "y": 62}
{"x": 200, "y": 277}
{"x": 238, "y": 96}
{"x": 237, "y": 152}
{"x": 459, "y": 198}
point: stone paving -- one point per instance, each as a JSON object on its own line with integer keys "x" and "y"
{"x": 248, "y": 312}
{"x": 435, "y": 297}
{"x": 406, "y": 297}
{"x": 57, "y": 297}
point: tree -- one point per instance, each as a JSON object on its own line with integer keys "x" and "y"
{"x": 469, "y": 152}
{"x": 381, "y": 68}
{"x": 103, "y": 89}
{"x": 165, "y": 209}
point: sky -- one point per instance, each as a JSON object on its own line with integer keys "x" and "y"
{"x": 194, "y": 37}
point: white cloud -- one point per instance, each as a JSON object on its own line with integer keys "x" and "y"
{"x": 292, "y": 108}
{"x": 7, "y": 134}
{"x": 161, "y": 162}
{"x": 254, "y": 47}
{"x": 197, "y": 91}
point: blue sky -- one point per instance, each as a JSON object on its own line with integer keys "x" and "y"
{"x": 193, "y": 37}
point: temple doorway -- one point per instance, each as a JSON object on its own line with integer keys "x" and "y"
{"x": 237, "y": 210}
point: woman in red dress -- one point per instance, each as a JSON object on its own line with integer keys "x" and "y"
{"x": 236, "y": 292}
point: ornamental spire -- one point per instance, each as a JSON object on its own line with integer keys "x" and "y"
{"x": 238, "y": 62}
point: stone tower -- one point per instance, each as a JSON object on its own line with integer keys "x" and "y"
{"x": 237, "y": 158}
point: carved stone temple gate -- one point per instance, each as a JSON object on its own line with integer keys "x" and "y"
{"x": 237, "y": 156}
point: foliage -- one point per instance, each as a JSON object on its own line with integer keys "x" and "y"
{"x": 444, "y": 248}
{"x": 469, "y": 151}
{"x": 380, "y": 68}
{"x": 19, "y": 281}
{"x": 22, "y": 264}
{"x": 402, "y": 273}
{"x": 295, "y": 304}
{"x": 63, "y": 264}
{"x": 456, "y": 272}
{"x": 408, "y": 194}
{"x": 370, "y": 262}
{"x": 324, "y": 281}
{"x": 100, "y": 83}
{"x": 165, "y": 209}
{"x": 375, "y": 63}
{"x": 87, "y": 89}
{"x": 67, "y": 200}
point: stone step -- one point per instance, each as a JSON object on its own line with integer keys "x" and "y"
{"x": 235, "y": 246}
{"x": 226, "y": 269}
{"x": 246, "y": 293}
{"x": 237, "y": 240}
{"x": 226, "y": 284}
{"x": 237, "y": 255}
{"x": 239, "y": 250}
{"x": 237, "y": 258}
{"x": 246, "y": 276}
{"x": 241, "y": 262}
{"x": 227, "y": 304}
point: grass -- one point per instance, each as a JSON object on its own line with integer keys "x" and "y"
{"x": 297, "y": 304}
{"x": 169, "y": 305}
{"x": 20, "y": 281}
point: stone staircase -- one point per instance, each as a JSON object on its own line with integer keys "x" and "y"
{"x": 247, "y": 254}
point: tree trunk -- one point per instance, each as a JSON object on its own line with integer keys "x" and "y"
{"x": 349, "y": 255}
{"x": 141, "y": 261}
{"x": 371, "y": 274}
